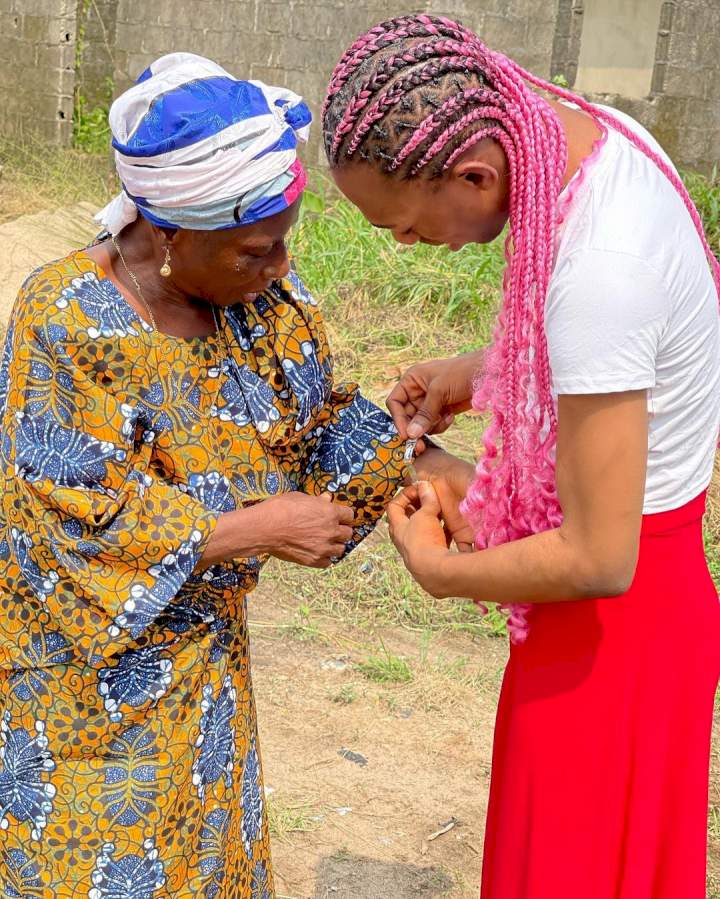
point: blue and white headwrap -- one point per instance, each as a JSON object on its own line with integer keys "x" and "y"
{"x": 196, "y": 148}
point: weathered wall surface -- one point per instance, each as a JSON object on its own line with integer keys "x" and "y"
{"x": 619, "y": 40}
{"x": 37, "y": 66}
{"x": 683, "y": 106}
{"x": 296, "y": 43}
{"x": 95, "y": 55}
{"x": 52, "y": 48}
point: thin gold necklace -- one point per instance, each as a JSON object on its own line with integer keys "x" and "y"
{"x": 135, "y": 282}
{"x": 216, "y": 318}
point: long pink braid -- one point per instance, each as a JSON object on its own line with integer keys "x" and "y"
{"x": 514, "y": 492}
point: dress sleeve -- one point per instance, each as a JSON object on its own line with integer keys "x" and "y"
{"x": 605, "y": 317}
{"x": 99, "y": 540}
{"x": 354, "y": 450}
{"x": 358, "y": 456}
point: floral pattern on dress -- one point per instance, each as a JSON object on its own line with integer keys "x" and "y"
{"x": 98, "y": 302}
{"x": 141, "y": 676}
{"x": 252, "y": 799}
{"x": 352, "y": 441}
{"x": 128, "y": 708}
{"x": 19, "y": 876}
{"x": 147, "y": 602}
{"x": 42, "y": 583}
{"x": 309, "y": 382}
{"x": 131, "y": 787}
{"x": 216, "y": 742}
{"x": 26, "y": 793}
{"x": 128, "y": 877}
{"x": 213, "y": 840}
{"x": 34, "y": 664}
{"x": 260, "y": 882}
{"x": 45, "y": 449}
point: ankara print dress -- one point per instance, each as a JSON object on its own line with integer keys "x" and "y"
{"x": 129, "y": 759}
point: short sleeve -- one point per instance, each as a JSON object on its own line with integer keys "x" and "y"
{"x": 605, "y": 316}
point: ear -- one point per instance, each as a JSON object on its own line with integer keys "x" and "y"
{"x": 166, "y": 236}
{"x": 477, "y": 173}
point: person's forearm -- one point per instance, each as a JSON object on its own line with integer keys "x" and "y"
{"x": 240, "y": 534}
{"x": 546, "y": 567}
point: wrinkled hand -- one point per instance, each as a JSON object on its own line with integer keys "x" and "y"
{"x": 417, "y": 531}
{"x": 429, "y": 395}
{"x": 309, "y": 530}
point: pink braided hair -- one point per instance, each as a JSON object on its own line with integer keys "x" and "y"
{"x": 514, "y": 492}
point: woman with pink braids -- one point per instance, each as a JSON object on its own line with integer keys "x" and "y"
{"x": 602, "y": 395}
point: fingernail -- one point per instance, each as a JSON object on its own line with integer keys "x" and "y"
{"x": 414, "y": 431}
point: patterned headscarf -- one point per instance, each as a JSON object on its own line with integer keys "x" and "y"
{"x": 196, "y": 148}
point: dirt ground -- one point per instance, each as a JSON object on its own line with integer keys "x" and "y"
{"x": 373, "y": 771}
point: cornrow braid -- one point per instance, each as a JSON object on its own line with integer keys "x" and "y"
{"x": 436, "y": 119}
{"x": 383, "y": 36}
{"x": 410, "y": 98}
{"x": 428, "y": 73}
{"x": 388, "y": 69}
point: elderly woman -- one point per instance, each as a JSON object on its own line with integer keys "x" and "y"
{"x": 169, "y": 421}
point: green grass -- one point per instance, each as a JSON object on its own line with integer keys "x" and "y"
{"x": 285, "y": 819}
{"x": 346, "y": 695}
{"x": 372, "y": 588}
{"x": 705, "y": 192}
{"x": 386, "y": 668}
{"x": 340, "y": 254}
{"x": 37, "y": 177}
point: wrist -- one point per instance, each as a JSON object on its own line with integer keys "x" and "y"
{"x": 430, "y": 569}
{"x": 269, "y": 525}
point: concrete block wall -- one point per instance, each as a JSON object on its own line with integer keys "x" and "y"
{"x": 296, "y": 43}
{"x": 687, "y": 78}
{"x": 95, "y": 50}
{"x": 682, "y": 108}
{"x": 37, "y": 67}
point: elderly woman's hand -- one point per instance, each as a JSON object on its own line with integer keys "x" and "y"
{"x": 295, "y": 527}
{"x": 309, "y": 530}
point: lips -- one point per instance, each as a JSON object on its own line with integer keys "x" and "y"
{"x": 252, "y": 295}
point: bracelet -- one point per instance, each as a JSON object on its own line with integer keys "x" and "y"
{"x": 408, "y": 459}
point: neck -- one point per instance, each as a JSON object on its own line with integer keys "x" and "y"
{"x": 145, "y": 259}
{"x": 581, "y": 131}
{"x": 175, "y": 311}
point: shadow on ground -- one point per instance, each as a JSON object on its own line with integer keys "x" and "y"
{"x": 353, "y": 877}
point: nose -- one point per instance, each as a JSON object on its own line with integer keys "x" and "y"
{"x": 280, "y": 265}
{"x": 406, "y": 237}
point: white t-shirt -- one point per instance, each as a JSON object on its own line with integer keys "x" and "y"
{"x": 632, "y": 305}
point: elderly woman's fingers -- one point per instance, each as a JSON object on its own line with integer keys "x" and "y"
{"x": 345, "y": 533}
{"x": 346, "y": 516}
